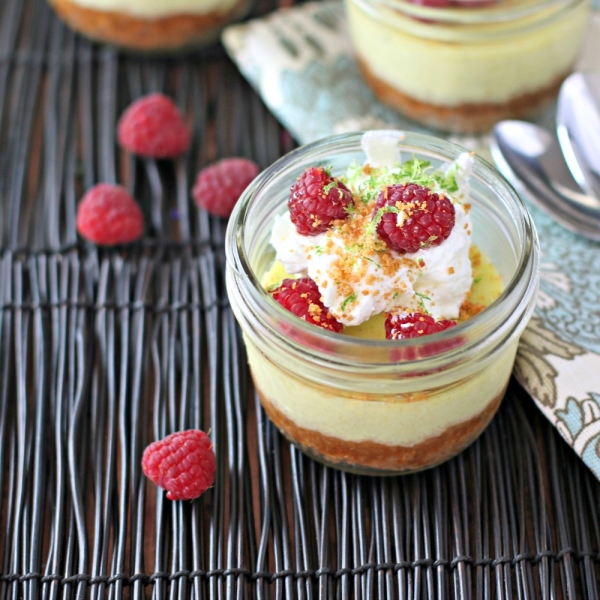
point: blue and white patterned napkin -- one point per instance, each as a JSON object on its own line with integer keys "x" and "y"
{"x": 301, "y": 63}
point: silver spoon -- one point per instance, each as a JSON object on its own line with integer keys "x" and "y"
{"x": 530, "y": 158}
{"x": 578, "y": 128}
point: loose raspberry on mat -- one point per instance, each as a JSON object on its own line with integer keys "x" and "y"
{"x": 316, "y": 200}
{"x": 302, "y": 297}
{"x": 219, "y": 186}
{"x": 153, "y": 126}
{"x": 403, "y": 325}
{"x": 183, "y": 463}
{"x": 412, "y": 217}
{"x": 108, "y": 215}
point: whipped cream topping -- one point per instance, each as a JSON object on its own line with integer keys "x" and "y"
{"x": 357, "y": 274}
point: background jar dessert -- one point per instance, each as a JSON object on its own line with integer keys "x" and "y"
{"x": 462, "y": 69}
{"x": 151, "y": 25}
{"x": 360, "y": 404}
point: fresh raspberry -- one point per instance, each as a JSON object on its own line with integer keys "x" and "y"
{"x": 183, "y": 463}
{"x": 302, "y": 297}
{"x": 426, "y": 218}
{"x": 316, "y": 200}
{"x": 108, "y": 215}
{"x": 153, "y": 126}
{"x": 219, "y": 186}
{"x": 402, "y": 325}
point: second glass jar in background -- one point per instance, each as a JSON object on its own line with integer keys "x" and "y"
{"x": 463, "y": 69}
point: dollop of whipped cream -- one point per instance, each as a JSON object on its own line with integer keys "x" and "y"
{"x": 357, "y": 274}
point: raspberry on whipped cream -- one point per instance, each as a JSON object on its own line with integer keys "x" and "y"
{"x": 356, "y": 272}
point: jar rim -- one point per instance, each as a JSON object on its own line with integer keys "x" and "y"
{"x": 503, "y": 11}
{"x": 239, "y": 261}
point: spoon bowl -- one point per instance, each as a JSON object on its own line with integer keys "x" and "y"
{"x": 530, "y": 158}
{"x": 578, "y": 128}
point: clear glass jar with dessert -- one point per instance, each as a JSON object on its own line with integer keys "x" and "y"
{"x": 154, "y": 26}
{"x": 463, "y": 65}
{"x": 347, "y": 382}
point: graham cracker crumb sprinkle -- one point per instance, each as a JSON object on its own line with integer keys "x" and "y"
{"x": 469, "y": 309}
{"x": 315, "y": 311}
{"x": 358, "y": 251}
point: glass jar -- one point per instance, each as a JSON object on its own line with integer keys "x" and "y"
{"x": 463, "y": 69}
{"x": 360, "y": 404}
{"x": 151, "y": 25}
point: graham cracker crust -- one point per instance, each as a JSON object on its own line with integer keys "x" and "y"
{"x": 465, "y": 118}
{"x": 382, "y": 459}
{"x": 165, "y": 33}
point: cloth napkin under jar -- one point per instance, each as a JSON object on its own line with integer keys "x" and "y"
{"x": 300, "y": 61}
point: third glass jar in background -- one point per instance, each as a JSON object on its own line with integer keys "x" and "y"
{"x": 151, "y": 26}
{"x": 462, "y": 69}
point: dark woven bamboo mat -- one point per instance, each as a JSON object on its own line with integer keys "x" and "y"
{"x": 103, "y": 351}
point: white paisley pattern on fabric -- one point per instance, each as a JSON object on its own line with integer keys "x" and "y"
{"x": 300, "y": 61}
{"x": 559, "y": 356}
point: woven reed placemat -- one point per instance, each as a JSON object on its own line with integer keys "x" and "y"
{"x": 102, "y": 351}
